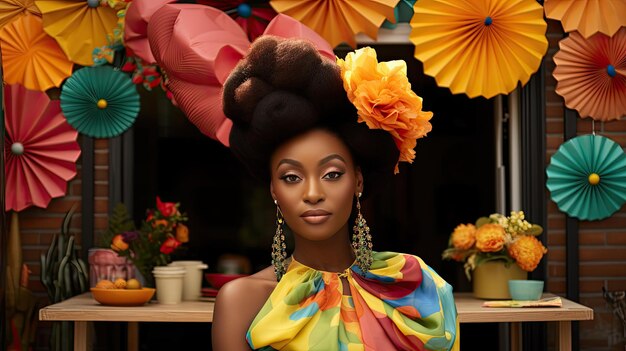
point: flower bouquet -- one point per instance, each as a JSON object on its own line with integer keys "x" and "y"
{"x": 510, "y": 239}
{"x": 160, "y": 234}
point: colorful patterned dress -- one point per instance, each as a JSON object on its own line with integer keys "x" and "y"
{"x": 400, "y": 304}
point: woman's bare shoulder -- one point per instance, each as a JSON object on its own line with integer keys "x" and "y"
{"x": 254, "y": 287}
{"x": 236, "y": 305}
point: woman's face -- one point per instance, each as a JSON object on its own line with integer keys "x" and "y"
{"x": 314, "y": 180}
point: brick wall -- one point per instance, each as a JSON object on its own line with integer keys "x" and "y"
{"x": 38, "y": 225}
{"x": 602, "y": 243}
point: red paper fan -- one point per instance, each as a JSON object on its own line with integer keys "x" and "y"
{"x": 136, "y": 28}
{"x": 40, "y": 148}
{"x": 198, "y": 46}
{"x": 591, "y": 74}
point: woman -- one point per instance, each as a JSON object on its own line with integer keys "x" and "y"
{"x": 295, "y": 125}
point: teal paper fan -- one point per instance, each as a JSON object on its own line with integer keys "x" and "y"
{"x": 100, "y": 101}
{"x": 403, "y": 13}
{"x": 587, "y": 177}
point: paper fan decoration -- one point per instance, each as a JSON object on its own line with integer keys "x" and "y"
{"x": 403, "y": 14}
{"x": 252, "y": 16}
{"x": 31, "y": 57}
{"x": 40, "y": 149}
{"x": 287, "y": 27}
{"x": 587, "y": 177}
{"x": 588, "y": 16}
{"x": 338, "y": 21}
{"x": 78, "y": 26}
{"x": 99, "y": 101}
{"x": 479, "y": 47}
{"x": 591, "y": 74}
{"x": 198, "y": 46}
{"x": 136, "y": 30}
{"x": 12, "y": 9}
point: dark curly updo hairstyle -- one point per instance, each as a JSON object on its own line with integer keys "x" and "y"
{"x": 283, "y": 88}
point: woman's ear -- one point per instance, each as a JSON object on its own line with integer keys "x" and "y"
{"x": 359, "y": 180}
{"x": 272, "y": 191}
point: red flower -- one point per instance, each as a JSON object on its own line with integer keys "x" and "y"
{"x": 129, "y": 67}
{"x": 169, "y": 245}
{"x": 166, "y": 208}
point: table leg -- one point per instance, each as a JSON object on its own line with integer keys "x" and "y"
{"x": 81, "y": 336}
{"x": 133, "y": 336}
{"x": 516, "y": 336}
{"x": 565, "y": 336}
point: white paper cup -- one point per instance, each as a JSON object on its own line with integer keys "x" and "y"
{"x": 169, "y": 286}
{"x": 192, "y": 281}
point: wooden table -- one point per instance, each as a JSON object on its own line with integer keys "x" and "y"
{"x": 83, "y": 309}
{"x": 471, "y": 311}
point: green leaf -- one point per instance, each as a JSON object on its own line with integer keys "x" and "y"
{"x": 535, "y": 230}
{"x": 482, "y": 220}
{"x": 494, "y": 256}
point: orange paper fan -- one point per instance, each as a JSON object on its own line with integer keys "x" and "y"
{"x": 588, "y": 16}
{"x": 31, "y": 57}
{"x": 591, "y": 74}
{"x": 338, "y": 21}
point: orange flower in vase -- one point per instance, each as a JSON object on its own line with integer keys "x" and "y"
{"x": 510, "y": 239}
{"x": 494, "y": 250}
{"x": 490, "y": 238}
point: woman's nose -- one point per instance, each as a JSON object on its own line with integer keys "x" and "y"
{"x": 313, "y": 192}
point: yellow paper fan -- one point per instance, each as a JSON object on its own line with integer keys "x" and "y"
{"x": 338, "y": 21}
{"x": 11, "y": 9}
{"x": 78, "y": 26}
{"x": 479, "y": 47}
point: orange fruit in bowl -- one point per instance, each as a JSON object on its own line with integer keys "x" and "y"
{"x": 133, "y": 284}
{"x": 120, "y": 283}
{"x": 105, "y": 284}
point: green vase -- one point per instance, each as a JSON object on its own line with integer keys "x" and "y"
{"x": 490, "y": 280}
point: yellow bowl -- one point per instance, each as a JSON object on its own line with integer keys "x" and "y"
{"x": 122, "y": 297}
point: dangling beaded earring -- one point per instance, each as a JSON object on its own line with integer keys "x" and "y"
{"x": 279, "y": 247}
{"x": 362, "y": 240}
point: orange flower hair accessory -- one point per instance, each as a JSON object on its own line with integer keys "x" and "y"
{"x": 382, "y": 94}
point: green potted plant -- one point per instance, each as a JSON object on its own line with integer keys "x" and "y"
{"x": 64, "y": 274}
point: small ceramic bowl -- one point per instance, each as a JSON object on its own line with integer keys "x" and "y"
{"x": 122, "y": 297}
{"x": 526, "y": 290}
{"x": 217, "y": 280}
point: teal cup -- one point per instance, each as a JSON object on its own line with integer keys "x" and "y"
{"x": 526, "y": 290}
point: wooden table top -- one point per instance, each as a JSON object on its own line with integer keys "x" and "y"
{"x": 471, "y": 310}
{"x": 85, "y": 308}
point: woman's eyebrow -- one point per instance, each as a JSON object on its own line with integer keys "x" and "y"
{"x": 289, "y": 161}
{"x": 331, "y": 157}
